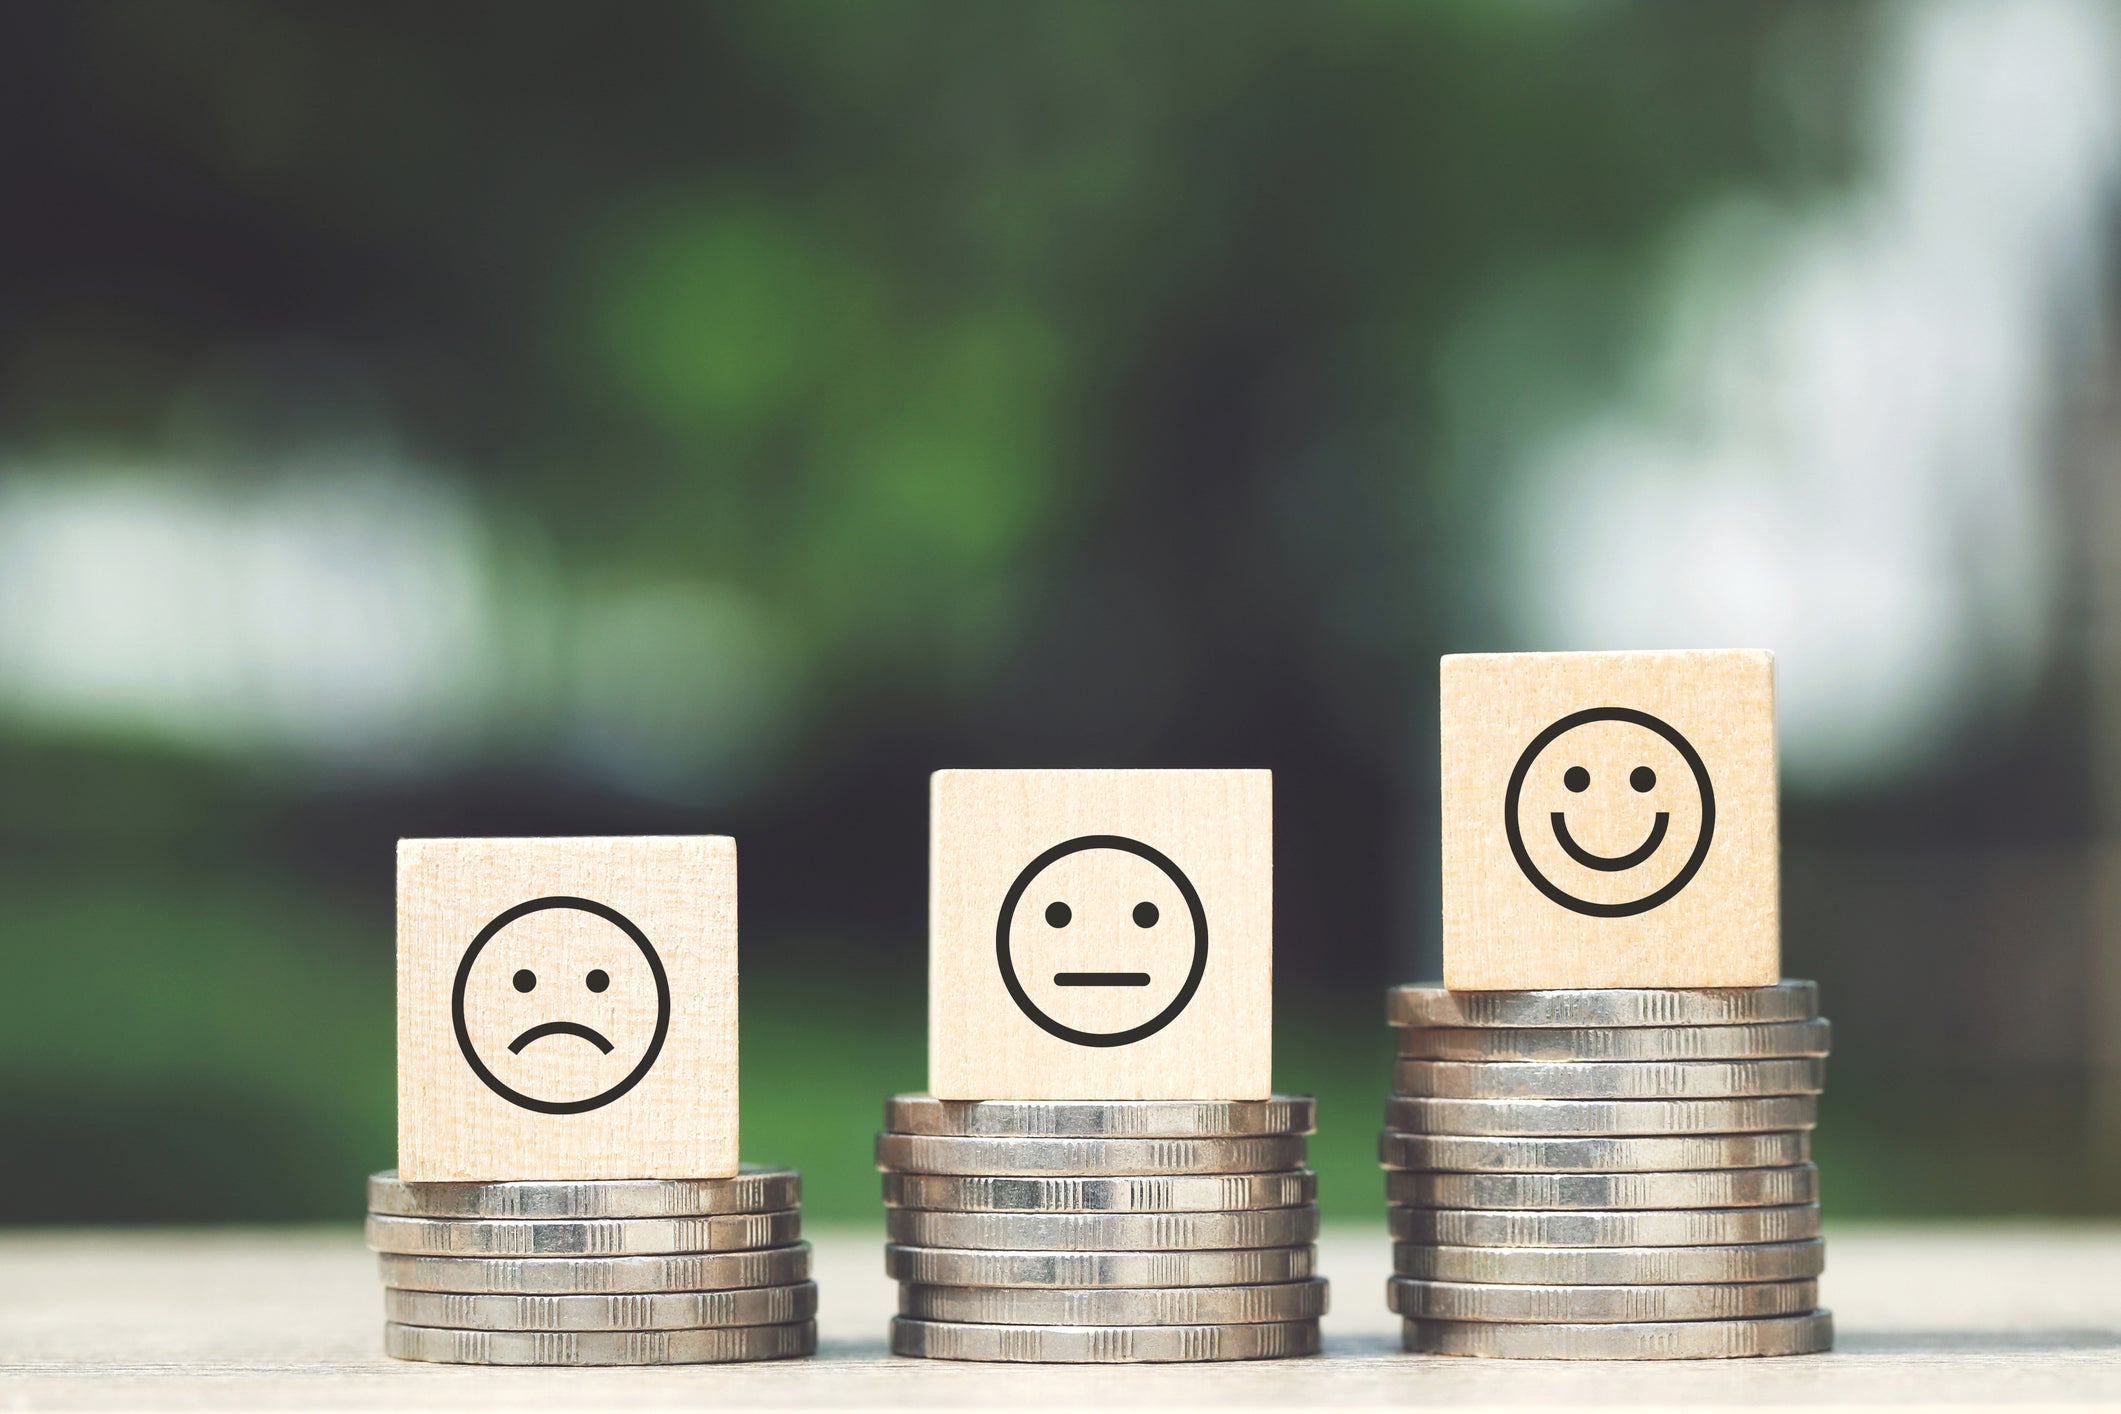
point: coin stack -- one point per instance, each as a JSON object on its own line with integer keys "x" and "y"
{"x": 1616, "y": 1174}
{"x": 1080, "y": 1231}
{"x": 619, "y": 1272}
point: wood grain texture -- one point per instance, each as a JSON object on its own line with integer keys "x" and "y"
{"x": 559, "y": 1105}
{"x": 1565, "y": 906}
{"x": 1102, "y": 936}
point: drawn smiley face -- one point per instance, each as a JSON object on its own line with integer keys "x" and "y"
{"x": 561, "y": 1005}
{"x": 1102, "y": 940}
{"x": 1610, "y": 812}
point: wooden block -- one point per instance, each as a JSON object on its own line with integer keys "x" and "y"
{"x": 567, "y": 1008}
{"x": 1609, "y": 820}
{"x": 1101, "y": 935}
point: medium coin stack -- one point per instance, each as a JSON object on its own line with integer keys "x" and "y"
{"x": 1066, "y": 1232}
{"x": 1617, "y": 1174}
{"x": 617, "y": 1272}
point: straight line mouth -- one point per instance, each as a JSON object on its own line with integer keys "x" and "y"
{"x": 559, "y": 1028}
{"x": 1100, "y": 979}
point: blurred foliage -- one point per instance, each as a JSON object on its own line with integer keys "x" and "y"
{"x": 1047, "y": 384}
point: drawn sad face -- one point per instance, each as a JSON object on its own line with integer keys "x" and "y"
{"x": 561, "y": 1005}
{"x": 1609, "y": 812}
{"x": 1102, "y": 941}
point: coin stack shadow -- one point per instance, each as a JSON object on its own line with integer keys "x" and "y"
{"x": 1082, "y": 1231}
{"x": 594, "y": 1272}
{"x": 1616, "y": 1174}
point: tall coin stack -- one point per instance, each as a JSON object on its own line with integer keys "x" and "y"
{"x": 1080, "y": 1231}
{"x": 1606, "y": 1175}
{"x": 618, "y": 1272}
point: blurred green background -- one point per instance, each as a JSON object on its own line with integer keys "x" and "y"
{"x": 544, "y": 418}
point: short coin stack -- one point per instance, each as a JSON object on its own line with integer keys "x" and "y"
{"x": 1615, "y": 1174}
{"x": 1081, "y": 1231}
{"x": 617, "y": 1272}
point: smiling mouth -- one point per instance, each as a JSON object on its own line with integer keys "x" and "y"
{"x": 559, "y": 1028}
{"x": 1100, "y": 979}
{"x": 1616, "y": 863}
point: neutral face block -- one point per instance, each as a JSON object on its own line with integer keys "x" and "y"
{"x": 1101, "y": 935}
{"x": 567, "y": 1008}
{"x": 1609, "y": 820}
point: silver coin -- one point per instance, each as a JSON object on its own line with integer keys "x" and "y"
{"x": 1427, "y": 1115}
{"x": 931, "y": 1153}
{"x": 1182, "y": 1193}
{"x": 1101, "y": 1119}
{"x": 1608, "y": 1080}
{"x": 1139, "y": 1306}
{"x": 1636, "y": 1154}
{"x": 941, "y": 1266}
{"x": 755, "y": 1189}
{"x": 1710, "y": 1188}
{"x": 1613, "y": 1266}
{"x": 589, "y": 1237}
{"x": 1102, "y": 1232}
{"x": 645, "y": 1311}
{"x": 558, "y": 1276}
{"x": 703, "y": 1346}
{"x": 1474, "y": 1301}
{"x": 1616, "y": 1043}
{"x": 1668, "y": 1227}
{"x": 1650, "y": 1340}
{"x": 1102, "y": 1345}
{"x": 1431, "y": 1005}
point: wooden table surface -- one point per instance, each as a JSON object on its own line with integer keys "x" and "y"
{"x": 1936, "y": 1316}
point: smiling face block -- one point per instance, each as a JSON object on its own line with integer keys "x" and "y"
{"x": 1609, "y": 820}
{"x": 567, "y": 1008}
{"x": 1101, "y": 935}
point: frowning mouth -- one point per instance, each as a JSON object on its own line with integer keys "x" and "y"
{"x": 559, "y": 1028}
{"x": 1616, "y": 863}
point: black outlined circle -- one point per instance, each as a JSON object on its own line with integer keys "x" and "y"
{"x": 662, "y": 1006}
{"x": 1686, "y": 752}
{"x": 1155, "y": 1023}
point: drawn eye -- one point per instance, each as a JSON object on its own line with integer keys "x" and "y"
{"x": 525, "y": 980}
{"x": 1577, "y": 779}
{"x": 1642, "y": 778}
{"x": 597, "y": 980}
{"x": 1058, "y": 914}
{"x": 1145, "y": 915}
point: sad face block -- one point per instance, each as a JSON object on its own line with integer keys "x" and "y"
{"x": 1101, "y": 935}
{"x": 567, "y": 1008}
{"x": 1609, "y": 820}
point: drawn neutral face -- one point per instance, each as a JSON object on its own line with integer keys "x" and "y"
{"x": 1102, "y": 941}
{"x": 561, "y": 1005}
{"x": 1610, "y": 812}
